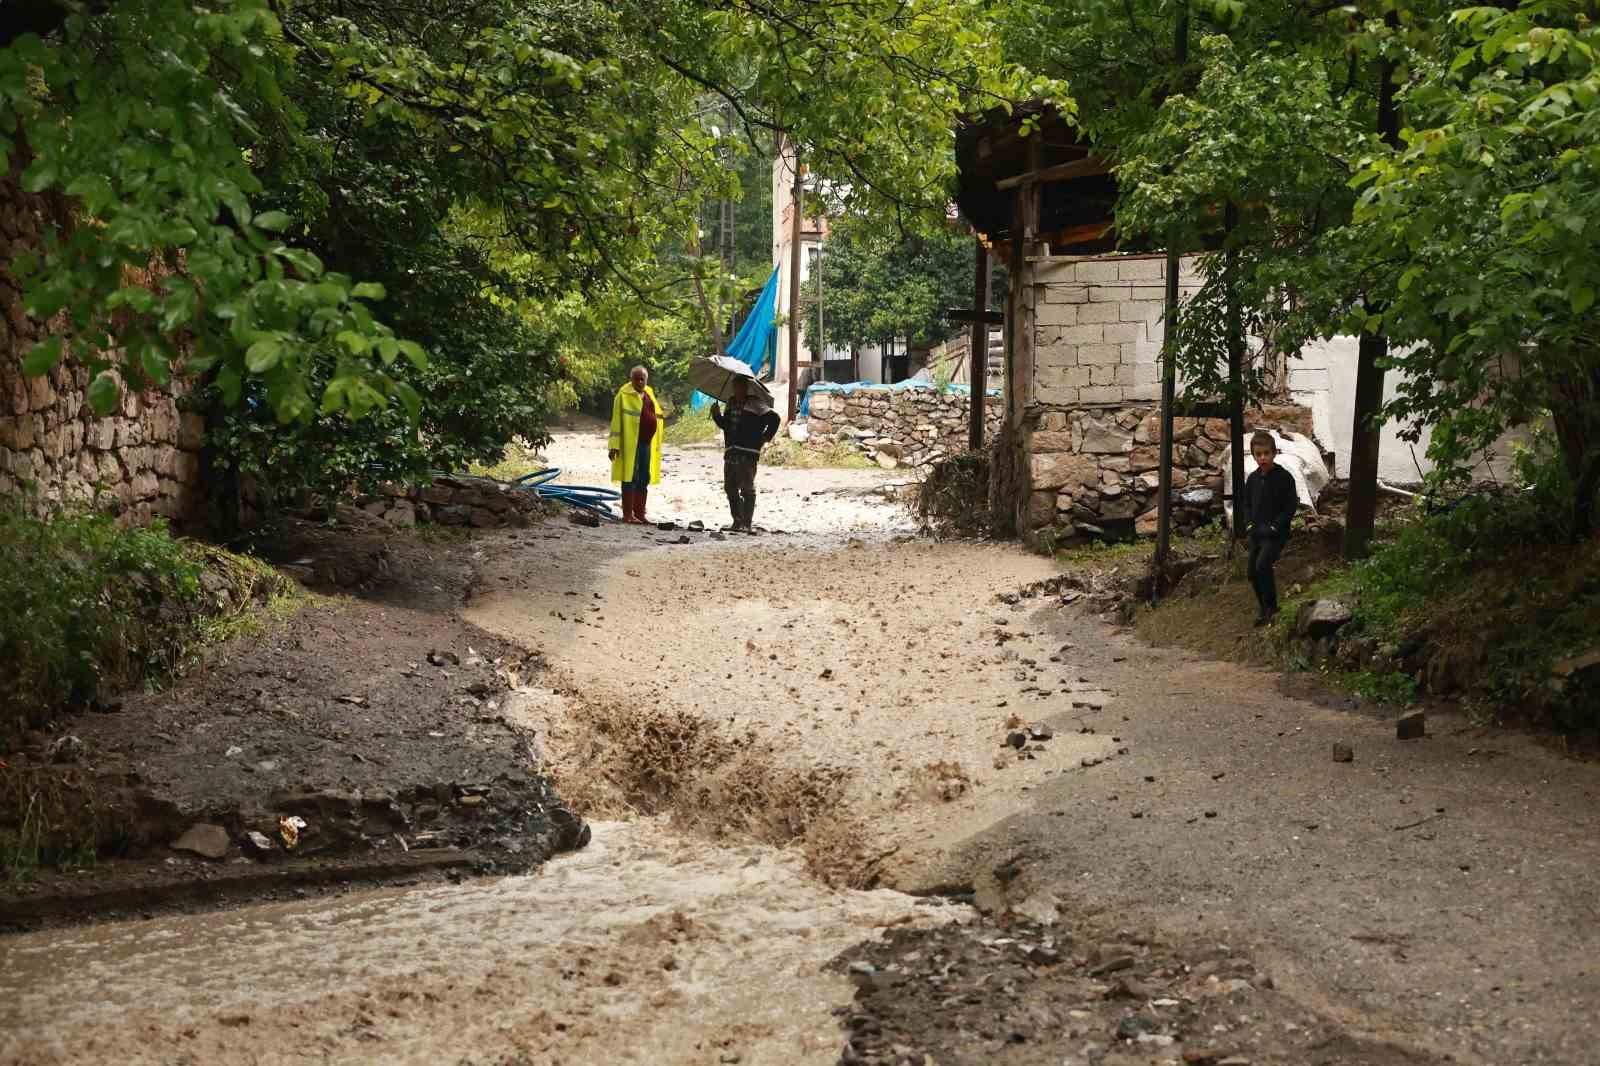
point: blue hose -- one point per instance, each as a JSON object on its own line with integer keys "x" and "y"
{"x": 596, "y": 501}
{"x": 584, "y": 497}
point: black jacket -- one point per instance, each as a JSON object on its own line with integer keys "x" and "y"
{"x": 744, "y": 428}
{"x": 1270, "y": 501}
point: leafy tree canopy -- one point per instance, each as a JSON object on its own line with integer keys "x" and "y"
{"x": 562, "y": 140}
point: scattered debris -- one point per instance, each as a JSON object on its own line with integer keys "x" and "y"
{"x": 1343, "y": 753}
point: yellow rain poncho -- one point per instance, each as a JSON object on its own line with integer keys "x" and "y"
{"x": 624, "y": 440}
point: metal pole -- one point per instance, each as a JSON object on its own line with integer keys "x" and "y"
{"x": 794, "y": 291}
{"x": 1169, "y": 369}
{"x": 978, "y": 359}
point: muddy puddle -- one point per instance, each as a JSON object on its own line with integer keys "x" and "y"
{"x": 645, "y": 947}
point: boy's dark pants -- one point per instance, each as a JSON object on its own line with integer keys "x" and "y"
{"x": 1264, "y": 552}
{"x": 739, "y": 481}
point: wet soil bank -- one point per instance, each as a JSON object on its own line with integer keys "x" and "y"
{"x": 361, "y": 740}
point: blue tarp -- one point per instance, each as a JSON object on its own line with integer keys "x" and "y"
{"x": 911, "y": 383}
{"x": 754, "y": 344}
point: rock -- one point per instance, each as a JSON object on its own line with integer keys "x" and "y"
{"x": 1343, "y": 753}
{"x": 67, "y": 749}
{"x": 1041, "y": 732}
{"x": 668, "y": 526}
{"x": 1413, "y": 726}
{"x": 584, "y": 518}
{"x": 1321, "y": 618}
{"x": 1016, "y": 738}
{"x": 259, "y": 842}
{"x": 441, "y": 658}
{"x": 1136, "y": 1025}
{"x": 1115, "y": 964}
{"x": 697, "y": 526}
{"x": 205, "y": 840}
{"x": 1197, "y": 497}
{"x": 1104, "y": 439}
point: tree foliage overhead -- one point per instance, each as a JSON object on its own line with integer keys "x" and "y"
{"x": 561, "y": 141}
{"x": 876, "y": 287}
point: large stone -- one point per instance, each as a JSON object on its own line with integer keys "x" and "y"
{"x": 205, "y": 840}
{"x": 1320, "y": 618}
{"x": 1063, "y": 470}
{"x": 1105, "y": 438}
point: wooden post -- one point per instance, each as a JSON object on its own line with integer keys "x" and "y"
{"x": 978, "y": 360}
{"x": 794, "y": 292}
{"x": 1235, "y": 327}
{"x": 1169, "y": 368}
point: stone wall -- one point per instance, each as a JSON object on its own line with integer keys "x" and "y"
{"x": 141, "y": 461}
{"x": 899, "y": 427}
{"x": 1086, "y": 376}
{"x": 481, "y": 503}
{"x": 1096, "y": 472}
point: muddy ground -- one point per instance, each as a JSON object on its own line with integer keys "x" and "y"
{"x": 856, "y": 800}
{"x": 374, "y": 714}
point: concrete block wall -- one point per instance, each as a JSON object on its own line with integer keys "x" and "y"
{"x": 1098, "y": 328}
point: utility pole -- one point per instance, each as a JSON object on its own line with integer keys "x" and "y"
{"x": 794, "y": 289}
{"x": 820, "y": 356}
{"x": 1169, "y": 369}
{"x": 726, "y": 222}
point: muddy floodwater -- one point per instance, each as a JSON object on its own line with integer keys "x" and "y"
{"x": 645, "y": 947}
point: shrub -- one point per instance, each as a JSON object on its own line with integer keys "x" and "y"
{"x": 954, "y": 498}
{"x": 93, "y": 608}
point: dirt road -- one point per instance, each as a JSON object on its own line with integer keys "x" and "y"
{"x": 782, "y": 728}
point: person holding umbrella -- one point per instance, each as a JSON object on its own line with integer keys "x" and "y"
{"x": 745, "y": 429}
{"x": 635, "y": 443}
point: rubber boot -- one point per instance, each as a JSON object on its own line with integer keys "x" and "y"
{"x": 639, "y": 498}
{"x": 628, "y": 504}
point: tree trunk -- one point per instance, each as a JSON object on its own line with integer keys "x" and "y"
{"x": 1367, "y": 428}
{"x": 1236, "y": 353}
{"x": 1575, "y": 412}
{"x": 1365, "y": 434}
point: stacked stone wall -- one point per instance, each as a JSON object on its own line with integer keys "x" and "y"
{"x": 1089, "y": 375}
{"x": 141, "y": 461}
{"x": 900, "y": 427}
{"x": 1093, "y": 473}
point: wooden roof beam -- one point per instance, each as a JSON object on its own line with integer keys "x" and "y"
{"x": 1079, "y": 168}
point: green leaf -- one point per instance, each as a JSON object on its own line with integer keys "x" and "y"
{"x": 42, "y": 357}
{"x": 104, "y": 392}
{"x": 368, "y": 290}
{"x": 272, "y": 221}
{"x": 263, "y": 355}
{"x": 410, "y": 400}
{"x": 413, "y": 351}
{"x": 354, "y": 341}
{"x": 1582, "y": 298}
{"x": 153, "y": 360}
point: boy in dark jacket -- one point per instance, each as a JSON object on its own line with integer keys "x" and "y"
{"x": 744, "y": 432}
{"x": 1269, "y": 501}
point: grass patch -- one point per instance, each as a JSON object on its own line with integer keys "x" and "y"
{"x": 94, "y": 608}
{"x": 836, "y": 455}
{"x": 1476, "y": 604}
{"x": 690, "y": 427}
{"x": 519, "y": 459}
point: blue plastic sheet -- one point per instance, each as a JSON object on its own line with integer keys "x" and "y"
{"x": 754, "y": 345}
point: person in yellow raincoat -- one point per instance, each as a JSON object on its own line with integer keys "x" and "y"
{"x": 635, "y": 443}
